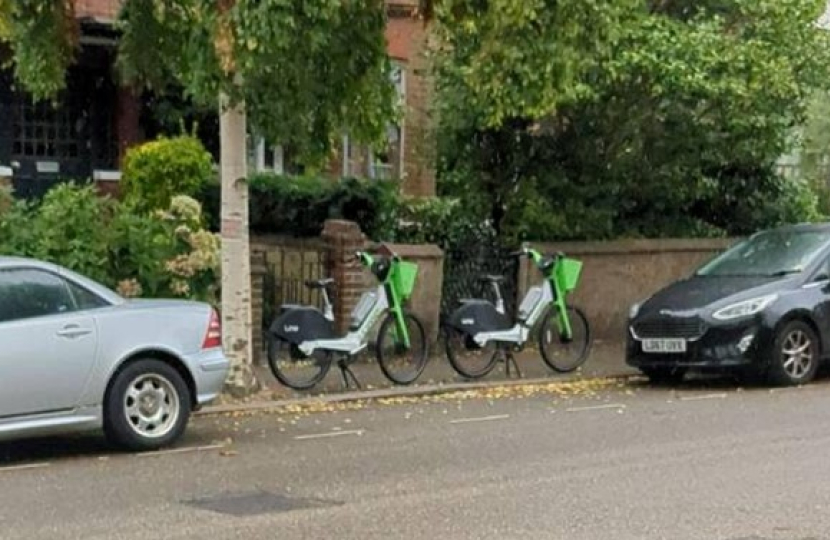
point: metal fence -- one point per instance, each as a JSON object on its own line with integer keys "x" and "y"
{"x": 466, "y": 262}
{"x": 289, "y": 262}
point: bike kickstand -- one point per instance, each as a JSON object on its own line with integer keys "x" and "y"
{"x": 508, "y": 360}
{"x": 346, "y": 373}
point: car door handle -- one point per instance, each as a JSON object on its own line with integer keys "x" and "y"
{"x": 74, "y": 331}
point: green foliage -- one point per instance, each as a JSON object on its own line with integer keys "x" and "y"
{"x": 443, "y": 221}
{"x": 69, "y": 227}
{"x": 299, "y": 205}
{"x": 161, "y": 254}
{"x": 814, "y": 148}
{"x": 306, "y": 70}
{"x": 673, "y": 130}
{"x": 504, "y": 59}
{"x": 43, "y": 38}
{"x": 156, "y": 171}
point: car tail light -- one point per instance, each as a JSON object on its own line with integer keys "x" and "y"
{"x": 213, "y": 337}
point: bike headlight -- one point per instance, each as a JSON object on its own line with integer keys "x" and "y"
{"x": 746, "y": 308}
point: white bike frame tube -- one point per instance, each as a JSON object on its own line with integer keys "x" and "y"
{"x": 355, "y": 341}
{"x": 521, "y": 331}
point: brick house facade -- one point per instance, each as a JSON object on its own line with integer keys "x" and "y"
{"x": 39, "y": 144}
{"x": 412, "y": 154}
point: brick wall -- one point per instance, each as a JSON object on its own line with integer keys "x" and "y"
{"x": 100, "y": 9}
{"x": 615, "y": 275}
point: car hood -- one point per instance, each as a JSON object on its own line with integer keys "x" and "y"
{"x": 699, "y": 292}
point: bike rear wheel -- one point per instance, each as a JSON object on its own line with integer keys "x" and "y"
{"x": 468, "y": 359}
{"x": 401, "y": 364}
{"x": 561, "y": 354}
{"x": 294, "y": 369}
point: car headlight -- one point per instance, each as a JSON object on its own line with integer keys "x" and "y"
{"x": 635, "y": 309}
{"x": 746, "y": 308}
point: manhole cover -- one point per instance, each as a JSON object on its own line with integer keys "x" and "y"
{"x": 252, "y": 504}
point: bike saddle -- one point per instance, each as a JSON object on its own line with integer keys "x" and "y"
{"x": 491, "y": 278}
{"x": 319, "y": 283}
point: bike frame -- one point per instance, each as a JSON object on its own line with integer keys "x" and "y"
{"x": 357, "y": 340}
{"x": 552, "y": 295}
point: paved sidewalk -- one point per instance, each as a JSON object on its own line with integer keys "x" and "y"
{"x": 606, "y": 360}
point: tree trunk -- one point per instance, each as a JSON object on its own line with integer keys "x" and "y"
{"x": 236, "y": 257}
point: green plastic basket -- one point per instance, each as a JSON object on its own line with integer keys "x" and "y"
{"x": 403, "y": 279}
{"x": 567, "y": 273}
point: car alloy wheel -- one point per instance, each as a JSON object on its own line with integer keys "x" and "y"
{"x": 795, "y": 355}
{"x": 152, "y": 405}
{"x": 147, "y": 405}
{"x": 798, "y": 354}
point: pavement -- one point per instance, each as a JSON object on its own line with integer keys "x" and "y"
{"x": 584, "y": 460}
{"x": 605, "y": 360}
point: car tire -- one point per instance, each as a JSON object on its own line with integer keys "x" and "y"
{"x": 147, "y": 406}
{"x": 795, "y": 355}
{"x": 664, "y": 376}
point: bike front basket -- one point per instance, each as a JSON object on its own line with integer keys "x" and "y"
{"x": 403, "y": 279}
{"x": 567, "y": 273}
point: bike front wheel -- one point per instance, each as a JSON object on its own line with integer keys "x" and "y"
{"x": 294, "y": 369}
{"x": 399, "y": 363}
{"x": 559, "y": 353}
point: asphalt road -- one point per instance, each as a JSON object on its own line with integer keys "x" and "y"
{"x": 699, "y": 462}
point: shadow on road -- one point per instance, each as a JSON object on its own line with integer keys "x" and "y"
{"x": 91, "y": 446}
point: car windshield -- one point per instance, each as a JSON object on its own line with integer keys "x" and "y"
{"x": 770, "y": 254}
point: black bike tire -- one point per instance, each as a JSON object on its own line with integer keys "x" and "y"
{"x": 586, "y": 348}
{"x": 282, "y": 378}
{"x": 388, "y": 323}
{"x": 456, "y": 365}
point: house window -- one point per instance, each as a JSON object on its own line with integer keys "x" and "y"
{"x": 43, "y": 131}
{"x": 279, "y": 159}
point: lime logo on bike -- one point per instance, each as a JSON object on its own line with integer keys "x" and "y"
{"x": 291, "y": 329}
{"x": 468, "y": 322}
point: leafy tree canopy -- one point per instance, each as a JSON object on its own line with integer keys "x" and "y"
{"x": 305, "y": 69}
{"x": 668, "y": 125}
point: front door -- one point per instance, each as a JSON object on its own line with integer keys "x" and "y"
{"x": 47, "y": 347}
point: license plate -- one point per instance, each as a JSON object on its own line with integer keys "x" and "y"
{"x": 664, "y": 346}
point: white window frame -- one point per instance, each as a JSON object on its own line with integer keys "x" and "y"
{"x": 277, "y": 166}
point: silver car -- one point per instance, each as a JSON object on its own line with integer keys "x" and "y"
{"x": 75, "y": 356}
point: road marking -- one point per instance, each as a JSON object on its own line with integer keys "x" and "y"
{"x": 12, "y": 468}
{"x": 597, "y": 407}
{"x": 480, "y": 419}
{"x": 704, "y": 396}
{"x": 328, "y": 435}
{"x": 180, "y": 450}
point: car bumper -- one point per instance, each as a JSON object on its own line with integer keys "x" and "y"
{"x": 210, "y": 371}
{"x": 720, "y": 347}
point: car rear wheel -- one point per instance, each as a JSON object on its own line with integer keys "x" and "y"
{"x": 664, "y": 375}
{"x": 147, "y": 406}
{"x": 795, "y": 355}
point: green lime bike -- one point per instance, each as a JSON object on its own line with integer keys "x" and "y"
{"x": 302, "y": 342}
{"x": 479, "y": 333}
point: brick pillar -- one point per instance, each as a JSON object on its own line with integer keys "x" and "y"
{"x": 343, "y": 239}
{"x": 258, "y": 270}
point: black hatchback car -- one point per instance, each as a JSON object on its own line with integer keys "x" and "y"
{"x": 760, "y": 308}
